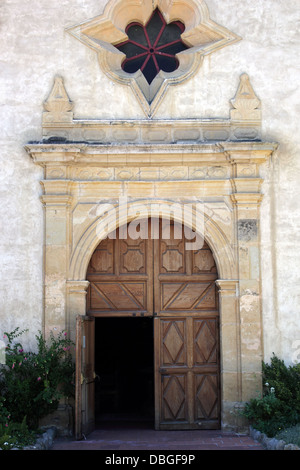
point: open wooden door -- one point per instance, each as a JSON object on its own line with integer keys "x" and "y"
{"x": 85, "y": 376}
{"x": 186, "y": 336}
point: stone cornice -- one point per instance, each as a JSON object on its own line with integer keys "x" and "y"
{"x": 113, "y": 155}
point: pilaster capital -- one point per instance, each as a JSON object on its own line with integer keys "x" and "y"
{"x": 77, "y": 287}
{"x": 62, "y": 200}
{"x": 57, "y": 193}
{"x": 228, "y": 286}
{"x": 246, "y": 199}
{"x": 247, "y": 185}
{"x": 241, "y": 153}
{"x": 58, "y": 187}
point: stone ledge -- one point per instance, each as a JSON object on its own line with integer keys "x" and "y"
{"x": 270, "y": 443}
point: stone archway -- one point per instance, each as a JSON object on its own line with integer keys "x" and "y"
{"x": 227, "y": 263}
{"x": 189, "y": 213}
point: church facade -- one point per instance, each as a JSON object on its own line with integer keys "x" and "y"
{"x": 149, "y": 184}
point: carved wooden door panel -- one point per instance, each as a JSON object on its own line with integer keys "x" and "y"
{"x": 121, "y": 275}
{"x": 186, "y": 335}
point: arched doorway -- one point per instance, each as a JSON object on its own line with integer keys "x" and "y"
{"x": 147, "y": 271}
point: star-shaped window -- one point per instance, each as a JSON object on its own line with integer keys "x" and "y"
{"x": 152, "y": 47}
{"x": 152, "y": 44}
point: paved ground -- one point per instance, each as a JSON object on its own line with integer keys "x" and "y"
{"x": 135, "y": 437}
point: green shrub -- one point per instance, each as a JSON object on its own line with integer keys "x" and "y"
{"x": 269, "y": 414}
{"x": 32, "y": 383}
{"x": 279, "y": 407}
{"x": 284, "y": 380}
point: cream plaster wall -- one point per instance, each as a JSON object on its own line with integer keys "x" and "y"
{"x": 34, "y": 47}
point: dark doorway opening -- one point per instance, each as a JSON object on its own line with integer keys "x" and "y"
{"x": 124, "y": 364}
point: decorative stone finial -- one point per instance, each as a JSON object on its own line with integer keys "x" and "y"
{"x": 245, "y": 103}
{"x": 58, "y": 105}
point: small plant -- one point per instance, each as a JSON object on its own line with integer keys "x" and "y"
{"x": 290, "y": 435}
{"x": 7, "y": 442}
{"x": 16, "y": 435}
{"x": 279, "y": 407}
{"x": 32, "y": 383}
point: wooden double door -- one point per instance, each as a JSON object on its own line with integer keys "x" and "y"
{"x": 150, "y": 270}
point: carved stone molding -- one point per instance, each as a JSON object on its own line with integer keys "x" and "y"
{"x": 140, "y": 156}
{"x": 59, "y": 125}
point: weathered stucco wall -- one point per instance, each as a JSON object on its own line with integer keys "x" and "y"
{"x": 34, "y": 47}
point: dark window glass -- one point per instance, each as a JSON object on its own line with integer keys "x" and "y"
{"x": 173, "y": 30}
{"x": 168, "y": 64}
{"x": 131, "y": 66}
{"x": 152, "y": 47}
{"x": 137, "y": 34}
{"x": 131, "y": 50}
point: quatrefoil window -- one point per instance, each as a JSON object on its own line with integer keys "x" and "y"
{"x": 152, "y": 47}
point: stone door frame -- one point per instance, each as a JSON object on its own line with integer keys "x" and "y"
{"x": 154, "y": 164}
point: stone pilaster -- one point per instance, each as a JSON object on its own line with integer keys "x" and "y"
{"x": 230, "y": 367}
{"x": 56, "y": 200}
{"x": 246, "y": 198}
